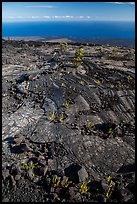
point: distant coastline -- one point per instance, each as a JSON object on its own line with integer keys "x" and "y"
{"x": 98, "y": 41}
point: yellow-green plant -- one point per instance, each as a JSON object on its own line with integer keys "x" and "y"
{"x": 80, "y": 52}
{"x": 82, "y": 82}
{"x": 52, "y": 116}
{"x": 66, "y": 183}
{"x": 109, "y": 181}
{"x": 84, "y": 188}
{"x": 61, "y": 119}
{"x": 129, "y": 78}
{"x": 111, "y": 86}
{"x": 56, "y": 181}
{"x": 67, "y": 104}
{"x": 98, "y": 82}
{"x": 29, "y": 167}
{"x": 77, "y": 61}
{"x": 63, "y": 85}
{"x": 89, "y": 125}
{"x": 110, "y": 130}
{"x": 63, "y": 46}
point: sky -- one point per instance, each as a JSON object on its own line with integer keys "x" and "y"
{"x": 67, "y": 11}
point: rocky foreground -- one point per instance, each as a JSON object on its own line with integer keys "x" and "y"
{"x": 68, "y": 124}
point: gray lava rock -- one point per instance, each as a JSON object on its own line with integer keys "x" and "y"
{"x": 104, "y": 185}
{"x": 18, "y": 139}
{"x": 5, "y": 173}
{"x": 82, "y": 103}
{"x": 36, "y": 179}
{"x": 23, "y": 87}
{"x": 40, "y": 157}
{"x": 17, "y": 177}
{"x": 49, "y": 106}
{"x": 5, "y": 200}
{"x": 13, "y": 182}
{"x": 52, "y": 165}
{"x": 45, "y": 131}
{"x": 57, "y": 95}
{"x": 126, "y": 195}
{"x": 30, "y": 174}
{"x": 83, "y": 175}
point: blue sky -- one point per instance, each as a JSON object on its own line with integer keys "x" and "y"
{"x": 68, "y": 11}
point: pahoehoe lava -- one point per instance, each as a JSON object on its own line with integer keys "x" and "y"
{"x": 69, "y": 114}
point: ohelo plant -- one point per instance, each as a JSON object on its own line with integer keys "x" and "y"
{"x": 56, "y": 181}
{"x": 110, "y": 185}
{"x": 89, "y": 125}
{"x": 84, "y": 187}
{"x": 52, "y": 116}
{"x": 67, "y": 104}
{"x": 79, "y": 53}
{"x": 61, "y": 119}
{"x": 111, "y": 86}
{"x": 63, "y": 46}
{"x": 98, "y": 82}
{"x": 129, "y": 78}
{"x": 110, "y": 131}
{"x": 78, "y": 59}
{"x": 27, "y": 167}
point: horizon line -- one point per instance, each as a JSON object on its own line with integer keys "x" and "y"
{"x": 66, "y": 20}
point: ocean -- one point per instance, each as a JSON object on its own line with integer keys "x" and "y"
{"x": 70, "y": 29}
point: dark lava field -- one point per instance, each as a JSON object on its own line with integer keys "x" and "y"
{"x": 68, "y": 122}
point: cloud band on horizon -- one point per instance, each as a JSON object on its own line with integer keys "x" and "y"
{"x": 40, "y": 6}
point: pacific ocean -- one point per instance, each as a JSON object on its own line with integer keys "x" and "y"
{"x": 81, "y": 29}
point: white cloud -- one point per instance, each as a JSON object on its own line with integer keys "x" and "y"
{"x": 46, "y": 17}
{"x": 115, "y": 2}
{"x": 67, "y": 17}
{"x": 132, "y": 3}
{"x": 35, "y": 17}
{"x": 40, "y": 6}
{"x": 61, "y": 17}
{"x": 56, "y": 16}
{"x": 81, "y": 16}
{"x": 118, "y": 2}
